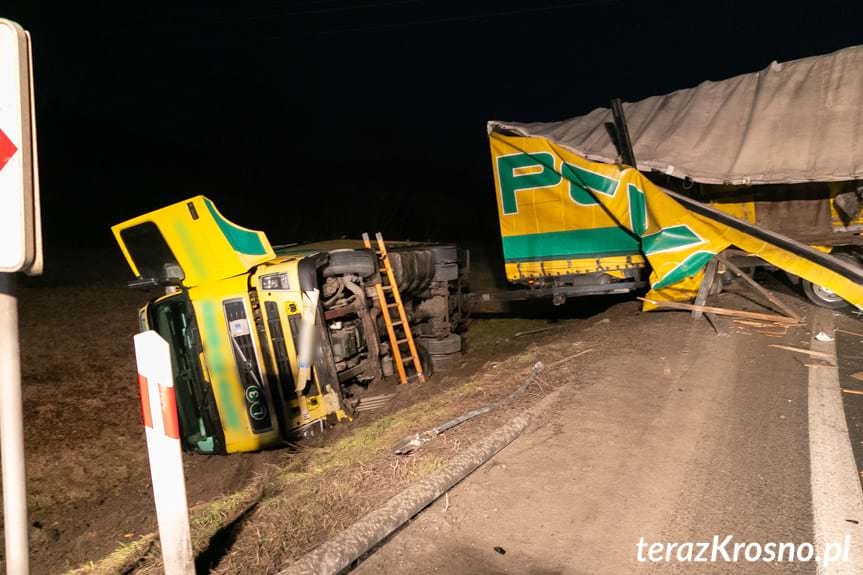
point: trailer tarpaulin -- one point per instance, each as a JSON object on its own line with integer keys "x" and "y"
{"x": 545, "y": 189}
{"x": 797, "y": 121}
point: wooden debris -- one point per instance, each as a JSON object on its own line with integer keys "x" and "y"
{"x": 704, "y": 289}
{"x": 812, "y": 353}
{"x": 724, "y": 311}
{"x": 837, "y": 330}
{"x": 714, "y": 323}
{"x": 771, "y": 297}
{"x": 535, "y": 331}
{"x": 852, "y": 391}
{"x": 804, "y": 363}
{"x": 753, "y": 323}
{"x": 559, "y": 362}
{"x": 858, "y": 375}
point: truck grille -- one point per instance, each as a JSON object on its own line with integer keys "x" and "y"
{"x": 240, "y": 332}
{"x": 277, "y": 337}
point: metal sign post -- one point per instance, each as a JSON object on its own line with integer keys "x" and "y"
{"x": 12, "y": 432}
{"x": 20, "y": 251}
{"x": 159, "y": 409}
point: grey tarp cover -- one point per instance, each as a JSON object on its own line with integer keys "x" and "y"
{"x": 796, "y": 121}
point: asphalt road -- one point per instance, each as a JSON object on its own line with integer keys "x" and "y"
{"x": 670, "y": 434}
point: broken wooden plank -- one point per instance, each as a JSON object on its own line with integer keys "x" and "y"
{"x": 536, "y": 331}
{"x": 837, "y": 330}
{"x": 704, "y": 289}
{"x": 724, "y": 311}
{"x": 754, "y": 323}
{"x": 771, "y": 297}
{"x": 809, "y": 352}
{"x": 714, "y": 323}
{"x": 852, "y": 391}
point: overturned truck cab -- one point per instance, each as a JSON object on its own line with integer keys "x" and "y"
{"x": 272, "y": 345}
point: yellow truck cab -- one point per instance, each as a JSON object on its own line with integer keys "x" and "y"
{"x": 270, "y": 345}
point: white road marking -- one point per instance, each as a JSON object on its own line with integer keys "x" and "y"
{"x": 837, "y": 499}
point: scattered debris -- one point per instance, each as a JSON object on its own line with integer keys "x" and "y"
{"x": 560, "y": 362}
{"x": 858, "y": 375}
{"x": 838, "y": 330}
{"x": 373, "y": 402}
{"x": 724, "y": 311}
{"x": 771, "y": 297}
{"x": 852, "y": 391}
{"x": 411, "y": 443}
{"x": 536, "y": 331}
{"x": 821, "y": 336}
{"x": 500, "y": 550}
{"x": 819, "y": 354}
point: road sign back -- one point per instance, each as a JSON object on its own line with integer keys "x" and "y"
{"x": 20, "y": 229}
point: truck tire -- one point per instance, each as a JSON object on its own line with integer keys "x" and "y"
{"x": 350, "y": 262}
{"x": 446, "y": 362}
{"x": 445, "y": 254}
{"x": 445, "y": 272}
{"x": 824, "y": 297}
{"x": 448, "y": 344}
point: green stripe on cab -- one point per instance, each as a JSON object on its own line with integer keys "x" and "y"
{"x": 243, "y": 241}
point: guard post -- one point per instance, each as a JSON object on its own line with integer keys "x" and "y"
{"x": 159, "y": 409}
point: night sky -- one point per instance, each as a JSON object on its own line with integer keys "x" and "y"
{"x": 317, "y": 119}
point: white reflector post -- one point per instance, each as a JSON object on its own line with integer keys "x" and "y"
{"x": 159, "y": 408}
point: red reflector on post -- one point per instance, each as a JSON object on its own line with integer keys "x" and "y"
{"x": 145, "y": 401}
{"x": 169, "y": 411}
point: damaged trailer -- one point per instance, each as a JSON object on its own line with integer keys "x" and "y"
{"x": 769, "y": 162}
{"x": 270, "y": 344}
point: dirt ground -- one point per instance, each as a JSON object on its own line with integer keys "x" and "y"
{"x": 88, "y": 476}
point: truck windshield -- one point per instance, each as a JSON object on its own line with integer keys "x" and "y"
{"x": 174, "y": 319}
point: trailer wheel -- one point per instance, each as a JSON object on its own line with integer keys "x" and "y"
{"x": 822, "y": 296}
{"x": 350, "y": 262}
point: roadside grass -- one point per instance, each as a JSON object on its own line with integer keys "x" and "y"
{"x": 206, "y": 521}
{"x": 488, "y": 333}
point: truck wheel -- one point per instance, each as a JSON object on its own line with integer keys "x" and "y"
{"x": 445, "y": 272}
{"x": 445, "y": 254}
{"x": 449, "y": 344}
{"x": 822, "y": 296}
{"x": 350, "y": 262}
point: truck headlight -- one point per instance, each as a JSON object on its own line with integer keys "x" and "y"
{"x": 272, "y": 282}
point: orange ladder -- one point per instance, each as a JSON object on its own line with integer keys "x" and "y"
{"x": 386, "y": 306}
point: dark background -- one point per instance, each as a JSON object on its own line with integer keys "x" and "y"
{"x": 319, "y": 118}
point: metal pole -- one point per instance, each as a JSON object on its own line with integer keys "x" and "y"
{"x": 12, "y": 433}
{"x": 623, "y": 141}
